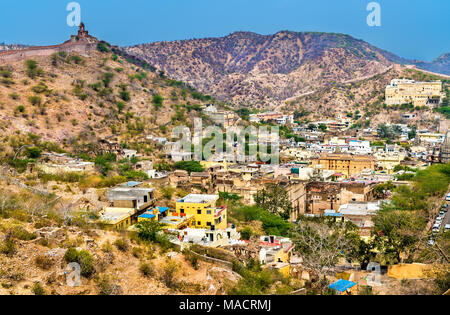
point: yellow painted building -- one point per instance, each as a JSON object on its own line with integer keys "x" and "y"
{"x": 402, "y": 91}
{"x": 117, "y": 218}
{"x": 204, "y": 210}
{"x": 346, "y": 164}
{"x": 155, "y": 214}
{"x": 388, "y": 161}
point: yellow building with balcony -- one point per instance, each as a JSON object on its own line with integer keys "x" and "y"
{"x": 204, "y": 210}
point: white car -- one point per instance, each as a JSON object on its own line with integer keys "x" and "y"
{"x": 448, "y": 197}
{"x": 447, "y": 227}
{"x": 431, "y": 242}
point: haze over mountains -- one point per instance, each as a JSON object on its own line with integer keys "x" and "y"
{"x": 251, "y": 69}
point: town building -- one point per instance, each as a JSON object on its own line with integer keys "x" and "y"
{"x": 136, "y": 198}
{"x": 346, "y": 164}
{"x": 403, "y": 91}
{"x": 322, "y": 196}
{"x": 445, "y": 149}
{"x": 203, "y": 208}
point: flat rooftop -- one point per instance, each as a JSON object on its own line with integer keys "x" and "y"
{"x": 359, "y": 208}
{"x": 114, "y": 215}
{"x": 199, "y": 198}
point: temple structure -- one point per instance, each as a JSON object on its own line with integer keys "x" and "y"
{"x": 445, "y": 149}
{"x": 83, "y": 35}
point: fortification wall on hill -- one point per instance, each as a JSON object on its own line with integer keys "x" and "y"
{"x": 17, "y": 55}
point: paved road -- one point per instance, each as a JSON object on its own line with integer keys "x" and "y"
{"x": 446, "y": 219}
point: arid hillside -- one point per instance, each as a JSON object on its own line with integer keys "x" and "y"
{"x": 37, "y": 245}
{"x": 260, "y": 70}
{"x": 74, "y": 100}
{"x": 364, "y": 99}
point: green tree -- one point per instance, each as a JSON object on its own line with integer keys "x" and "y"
{"x": 33, "y": 153}
{"x": 148, "y": 230}
{"x": 396, "y": 232}
{"x": 274, "y": 199}
{"x": 189, "y": 166}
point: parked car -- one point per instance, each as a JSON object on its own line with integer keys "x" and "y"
{"x": 448, "y": 197}
{"x": 447, "y": 227}
{"x": 431, "y": 242}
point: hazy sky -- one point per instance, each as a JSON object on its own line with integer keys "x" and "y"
{"x": 417, "y": 29}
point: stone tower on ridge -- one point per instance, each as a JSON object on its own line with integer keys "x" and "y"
{"x": 83, "y": 35}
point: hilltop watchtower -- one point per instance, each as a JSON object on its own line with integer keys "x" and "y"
{"x": 83, "y": 35}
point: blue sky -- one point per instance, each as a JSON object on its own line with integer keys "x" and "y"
{"x": 416, "y": 29}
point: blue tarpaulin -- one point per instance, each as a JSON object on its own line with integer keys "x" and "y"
{"x": 342, "y": 285}
{"x": 162, "y": 209}
{"x": 147, "y": 216}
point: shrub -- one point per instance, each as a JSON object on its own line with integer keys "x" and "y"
{"x": 38, "y": 289}
{"x": 125, "y": 95}
{"x": 83, "y": 258}
{"x": 120, "y": 106}
{"x": 86, "y": 262}
{"x": 22, "y": 234}
{"x": 71, "y": 255}
{"x": 169, "y": 273}
{"x": 32, "y": 69}
{"x": 106, "y": 78}
{"x": 8, "y": 246}
{"x": 121, "y": 244}
{"x": 157, "y": 101}
{"x": 5, "y": 73}
{"x": 102, "y": 47}
{"x": 77, "y": 59}
{"x": 136, "y": 252}
{"x": 107, "y": 287}
{"x": 107, "y": 247}
{"x": 192, "y": 258}
{"x": 20, "y": 109}
{"x": 33, "y": 153}
{"x": 35, "y": 100}
{"x": 246, "y": 233}
{"x": 43, "y": 262}
{"x": 40, "y": 88}
{"x": 14, "y": 96}
{"x": 147, "y": 269}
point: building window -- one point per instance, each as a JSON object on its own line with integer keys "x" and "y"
{"x": 199, "y": 211}
{"x": 199, "y": 223}
{"x": 208, "y": 211}
{"x": 181, "y": 210}
{"x": 208, "y": 223}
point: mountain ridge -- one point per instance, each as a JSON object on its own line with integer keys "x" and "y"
{"x": 253, "y": 69}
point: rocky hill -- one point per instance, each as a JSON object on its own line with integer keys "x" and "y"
{"x": 263, "y": 70}
{"x": 439, "y": 65}
{"x": 75, "y": 99}
{"x": 266, "y": 70}
{"x": 363, "y": 100}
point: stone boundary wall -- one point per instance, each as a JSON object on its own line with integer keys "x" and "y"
{"x": 216, "y": 261}
{"x": 17, "y": 55}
